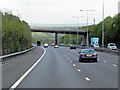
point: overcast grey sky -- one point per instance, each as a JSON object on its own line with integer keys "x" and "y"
{"x": 59, "y": 11}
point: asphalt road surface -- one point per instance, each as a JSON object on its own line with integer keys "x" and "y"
{"x": 60, "y": 68}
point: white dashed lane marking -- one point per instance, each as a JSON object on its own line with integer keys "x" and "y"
{"x": 68, "y": 59}
{"x": 86, "y": 78}
{"x": 114, "y": 65}
{"x": 74, "y": 65}
{"x": 105, "y": 61}
{"x": 79, "y": 70}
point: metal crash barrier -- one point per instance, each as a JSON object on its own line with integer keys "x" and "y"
{"x": 5, "y": 57}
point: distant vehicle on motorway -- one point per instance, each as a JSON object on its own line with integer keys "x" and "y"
{"x": 112, "y": 46}
{"x": 72, "y": 46}
{"x": 88, "y": 55}
{"x": 62, "y": 44}
{"x": 46, "y": 45}
{"x": 56, "y": 46}
{"x": 38, "y": 43}
{"x": 52, "y": 44}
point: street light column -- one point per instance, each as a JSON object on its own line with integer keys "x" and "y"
{"x": 87, "y": 26}
{"x": 77, "y": 30}
{"x": 103, "y": 27}
{"x": 87, "y": 30}
{"x": 77, "y": 25}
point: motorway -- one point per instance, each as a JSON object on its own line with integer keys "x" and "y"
{"x": 60, "y": 68}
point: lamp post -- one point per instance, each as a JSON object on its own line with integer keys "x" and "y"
{"x": 0, "y": 33}
{"x": 77, "y": 25}
{"x": 87, "y": 25}
{"x": 103, "y": 27}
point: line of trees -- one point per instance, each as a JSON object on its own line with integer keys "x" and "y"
{"x": 111, "y": 32}
{"x": 43, "y": 37}
{"x": 70, "y": 39}
{"x": 16, "y": 34}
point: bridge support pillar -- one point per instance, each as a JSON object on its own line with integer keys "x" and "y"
{"x": 84, "y": 40}
{"x": 55, "y": 38}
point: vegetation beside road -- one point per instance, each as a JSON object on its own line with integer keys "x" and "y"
{"x": 43, "y": 37}
{"x": 70, "y": 39}
{"x": 111, "y": 31}
{"x": 16, "y": 34}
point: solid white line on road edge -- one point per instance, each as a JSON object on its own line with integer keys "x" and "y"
{"x": 79, "y": 70}
{"x": 26, "y": 73}
{"x": 74, "y": 65}
{"x": 114, "y": 65}
{"x": 86, "y": 78}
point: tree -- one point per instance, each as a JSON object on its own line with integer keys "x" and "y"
{"x": 16, "y": 34}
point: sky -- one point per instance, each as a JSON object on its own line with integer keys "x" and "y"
{"x": 60, "y": 11}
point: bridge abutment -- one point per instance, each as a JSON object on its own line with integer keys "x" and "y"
{"x": 84, "y": 40}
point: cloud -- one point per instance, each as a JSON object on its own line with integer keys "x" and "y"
{"x": 59, "y": 11}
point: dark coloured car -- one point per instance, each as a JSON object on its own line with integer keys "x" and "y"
{"x": 72, "y": 46}
{"x": 38, "y": 43}
{"x": 88, "y": 55}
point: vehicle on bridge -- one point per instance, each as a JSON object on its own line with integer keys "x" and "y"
{"x": 88, "y": 55}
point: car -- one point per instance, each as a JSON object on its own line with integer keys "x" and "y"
{"x": 72, "y": 46}
{"x": 46, "y": 45}
{"x": 62, "y": 44}
{"x": 88, "y": 55}
{"x": 38, "y": 43}
{"x": 56, "y": 46}
{"x": 96, "y": 45}
{"x": 52, "y": 44}
{"x": 112, "y": 46}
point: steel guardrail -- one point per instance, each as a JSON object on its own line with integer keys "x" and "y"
{"x": 98, "y": 49}
{"x": 103, "y": 49}
{"x": 15, "y": 54}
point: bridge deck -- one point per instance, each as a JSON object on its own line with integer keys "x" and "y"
{"x": 80, "y": 32}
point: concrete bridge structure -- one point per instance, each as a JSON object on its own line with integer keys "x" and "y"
{"x": 62, "y": 30}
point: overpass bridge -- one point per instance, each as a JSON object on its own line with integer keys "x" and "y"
{"x": 62, "y": 30}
